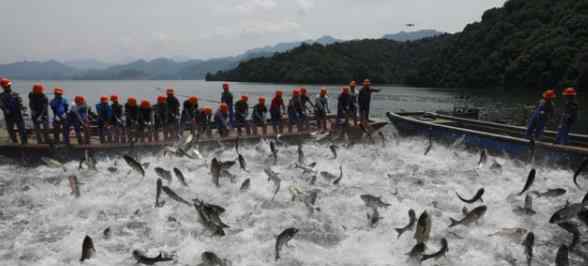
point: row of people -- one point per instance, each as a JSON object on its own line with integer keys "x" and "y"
{"x": 545, "y": 110}
{"x": 134, "y": 121}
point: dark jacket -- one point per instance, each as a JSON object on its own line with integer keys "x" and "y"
{"x": 173, "y": 108}
{"x": 343, "y": 103}
{"x": 190, "y": 110}
{"x": 242, "y": 108}
{"x": 11, "y": 104}
{"x": 161, "y": 114}
{"x": 259, "y": 112}
{"x": 117, "y": 113}
{"x": 227, "y": 97}
{"x": 145, "y": 116}
{"x": 131, "y": 114}
{"x": 39, "y": 105}
{"x": 365, "y": 97}
{"x": 570, "y": 114}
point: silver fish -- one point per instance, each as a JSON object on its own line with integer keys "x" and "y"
{"x": 410, "y": 225}
{"x": 572, "y": 228}
{"x": 88, "y": 249}
{"x": 550, "y": 193}
{"x": 471, "y": 217}
{"x": 578, "y": 171}
{"x": 174, "y": 196}
{"x": 334, "y": 148}
{"x": 336, "y": 182}
{"x": 423, "y": 228}
{"x": 283, "y": 239}
{"x": 527, "y": 209}
{"x": 417, "y": 250}
{"x": 528, "y": 244}
{"x": 373, "y": 217}
{"x": 134, "y": 164}
{"x": 180, "y": 176}
{"x": 568, "y": 212}
{"x": 158, "y": 185}
{"x": 74, "y": 185}
{"x": 245, "y": 185}
{"x": 476, "y": 197}
{"x": 165, "y": 174}
{"x": 442, "y": 251}
{"x": 373, "y": 201}
{"x": 529, "y": 183}
{"x": 215, "y": 171}
{"x": 515, "y": 234}
{"x": 242, "y": 162}
{"x": 300, "y": 154}
{"x": 211, "y": 259}
{"x": 143, "y": 259}
{"x": 561, "y": 258}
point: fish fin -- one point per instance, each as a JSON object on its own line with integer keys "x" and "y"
{"x": 399, "y": 231}
{"x": 536, "y": 193}
{"x": 481, "y": 199}
{"x": 453, "y": 222}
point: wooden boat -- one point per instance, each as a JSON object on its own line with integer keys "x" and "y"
{"x": 499, "y": 139}
{"x": 34, "y": 150}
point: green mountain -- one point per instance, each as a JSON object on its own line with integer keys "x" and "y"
{"x": 524, "y": 44}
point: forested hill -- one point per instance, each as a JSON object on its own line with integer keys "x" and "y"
{"x": 524, "y": 44}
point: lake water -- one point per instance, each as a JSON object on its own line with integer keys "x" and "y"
{"x": 499, "y": 105}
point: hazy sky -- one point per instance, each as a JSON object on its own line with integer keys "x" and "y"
{"x": 118, "y": 30}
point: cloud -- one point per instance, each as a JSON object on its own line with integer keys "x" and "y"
{"x": 304, "y": 6}
{"x": 250, "y": 6}
{"x": 258, "y": 28}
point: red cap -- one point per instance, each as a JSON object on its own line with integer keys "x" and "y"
{"x": 549, "y": 94}
{"x": 132, "y": 101}
{"x": 244, "y": 98}
{"x": 79, "y": 99}
{"x": 207, "y": 110}
{"x": 114, "y": 98}
{"x": 226, "y": 86}
{"x": 224, "y": 108}
{"x": 303, "y": 91}
{"x": 161, "y": 99}
{"x": 145, "y": 104}
{"x": 104, "y": 99}
{"x": 296, "y": 92}
{"x": 193, "y": 99}
{"x": 58, "y": 91}
{"x": 38, "y": 88}
{"x": 5, "y": 83}
{"x": 569, "y": 92}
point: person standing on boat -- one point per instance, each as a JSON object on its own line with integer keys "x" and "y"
{"x": 204, "y": 118}
{"x": 241, "y": 114}
{"x": 277, "y": 108}
{"x": 343, "y": 108}
{"x": 363, "y": 101}
{"x": 11, "y": 105}
{"x": 258, "y": 116}
{"x": 353, "y": 101}
{"x": 221, "y": 120}
{"x": 568, "y": 118}
{"x": 39, "y": 105}
{"x": 117, "y": 120}
{"x": 78, "y": 117}
{"x": 539, "y": 117}
{"x": 227, "y": 97}
{"x": 60, "y": 107}
{"x": 294, "y": 110}
{"x": 161, "y": 115}
{"x": 307, "y": 106}
{"x": 103, "y": 120}
{"x": 321, "y": 109}
{"x": 145, "y": 122}
{"x": 173, "y": 106}
{"x": 132, "y": 119}
{"x": 189, "y": 114}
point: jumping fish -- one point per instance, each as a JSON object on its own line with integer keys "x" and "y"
{"x": 529, "y": 183}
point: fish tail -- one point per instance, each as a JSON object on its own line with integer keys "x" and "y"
{"x": 399, "y": 231}
{"x": 453, "y": 222}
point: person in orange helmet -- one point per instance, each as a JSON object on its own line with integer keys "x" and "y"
{"x": 541, "y": 115}
{"x": 103, "y": 120}
{"x": 277, "y": 108}
{"x": 568, "y": 118}
{"x": 258, "y": 116}
{"x": 221, "y": 120}
{"x": 241, "y": 114}
{"x": 11, "y": 105}
{"x": 78, "y": 117}
{"x": 132, "y": 112}
{"x": 295, "y": 110}
{"x": 353, "y": 101}
{"x": 39, "y": 106}
{"x": 117, "y": 120}
{"x": 227, "y": 97}
{"x": 161, "y": 116}
{"x": 343, "y": 108}
{"x": 321, "y": 109}
{"x": 189, "y": 114}
{"x": 146, "y": 130}
{"x": 60, "y": 107}
{"x": 364, "y": 98}
{"x": 173, "y": 108}
{"x": 204, "y": 120}
{"x": 306, "y": 107}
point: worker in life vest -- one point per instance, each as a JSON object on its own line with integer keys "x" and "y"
{"x": 259, "y": 115}
{"x": 364, "y": 99}
{"x": 39, "y": 106}
{"x": 173, "y": 107}
{"x": 117, "y": 121}
{"x": 59, "y": 107}
{"x": 189, "y": 115}
{"x": 321, "y": 109}
{"x": 568, "y": 118}
{"x": 353, "y": 101}
{"x": 132, "y": 111}
{"x": 294, "y": 110}
{"x": 78, "y": 117}
{"x": 541, "y": 115}
{"x": 103, "y": 119}
{"x": 145, "y": 122}
{"x": 227, "y": 97}
{"x": 11, "y": 105}
{"x": 277, "y": 108}
{"x": 343, "y": 108}
{"x": 221, "y": 120}
{"x": 241, "y": 114}
{"x": 204, "y": 121}
{"x": 161, "y": 116}
{"x": 307, "y": 108}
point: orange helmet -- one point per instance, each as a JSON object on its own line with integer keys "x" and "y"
{"x": 569, "y": 92}
{"x": 58, "y": 91}
{"x": 352, "y": 83}
{"x": 132, "y": 101}
{"x": 207, "y": 110}
{"x": 549, "y": 94}
{"x": 161, "y": 99}
{"x": 345, "y": 90}
{"x": 5, "y": 83}
{"x": 244, "y": 98}
{"x": 79, "y": 99}
{"x": 226, "y": 86}
{"x": 169, "y": 91}
{"x": 366, "y": 82}
{"x": 279, "y": 93}
{"x": 224, "y": 108}
{"x": 261, "y": 99}
{"x": 323, "y": 92}
{"x": 104, "y": 99}
{"x": 296, "y": 92}
{"x": 145, "y": 104}
{"x": 38, "y": 88}
{"x": 303, "y": 91}
{"x": 193, "y": 99}
{"x": 114, "y": 98}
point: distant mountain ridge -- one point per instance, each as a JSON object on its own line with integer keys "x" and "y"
{"x": 159, "y": 68}
{"x": 404, "y": 36}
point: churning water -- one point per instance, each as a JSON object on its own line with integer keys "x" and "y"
{"x": 41, "y": 223}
